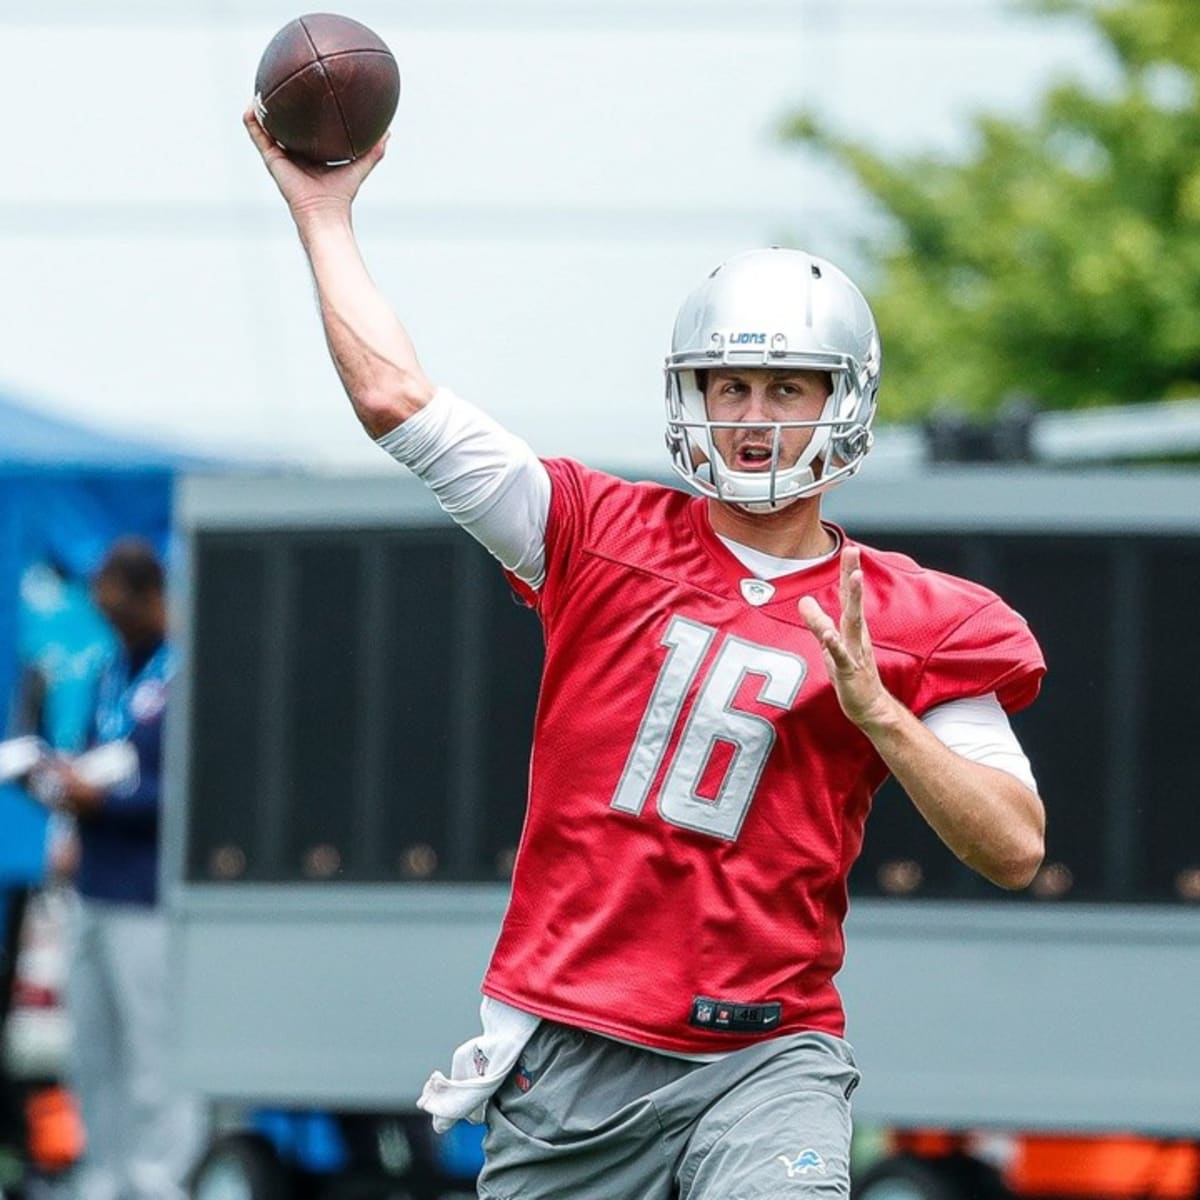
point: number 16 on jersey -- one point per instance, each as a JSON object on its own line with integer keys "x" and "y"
{"x": 712, "y": 720}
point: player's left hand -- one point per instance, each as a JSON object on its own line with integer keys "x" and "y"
{"x": 847, "y": 650}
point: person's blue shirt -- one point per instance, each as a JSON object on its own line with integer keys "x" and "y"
{"x": 119, "y": 843}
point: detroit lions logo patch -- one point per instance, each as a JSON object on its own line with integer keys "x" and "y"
{"x": 807, "y": 1160}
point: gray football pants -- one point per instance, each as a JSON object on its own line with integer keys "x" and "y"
{"x": 142, "y": 1134}
{"x": 586, "y": 1118}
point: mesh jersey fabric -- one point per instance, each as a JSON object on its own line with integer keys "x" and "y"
{"x": 697, "y": 797}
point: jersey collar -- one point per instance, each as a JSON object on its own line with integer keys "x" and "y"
{"x": 788, "y": 588}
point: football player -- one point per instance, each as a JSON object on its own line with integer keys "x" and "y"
{"x": 728, "y": 679}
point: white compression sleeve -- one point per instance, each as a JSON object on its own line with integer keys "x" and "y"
{"x": 979, "y": 730}
{"x": 487, "y": 479}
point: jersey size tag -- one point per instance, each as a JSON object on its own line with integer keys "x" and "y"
{"x": 726, "y": 1016}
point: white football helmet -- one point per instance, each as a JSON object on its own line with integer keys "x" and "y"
{"x": 784, "y": 309}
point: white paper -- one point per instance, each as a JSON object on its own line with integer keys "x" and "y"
{"x": 19, "y": 756}
{"x": 114, "y": 765}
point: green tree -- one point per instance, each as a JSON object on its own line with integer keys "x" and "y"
{"x": 1061, "y": 256}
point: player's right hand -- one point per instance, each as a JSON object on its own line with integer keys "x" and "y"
{"x": 308, "y": 188}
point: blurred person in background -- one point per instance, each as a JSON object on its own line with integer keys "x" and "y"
{"x": 727, "y": 681}
{"x": 142, "y": 1135}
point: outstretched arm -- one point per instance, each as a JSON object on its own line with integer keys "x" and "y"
{"x": 370, "y": 348}
{"x": 988, "y": 818}
{"x": 490, "y": 482}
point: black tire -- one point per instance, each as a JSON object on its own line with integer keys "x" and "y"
{"x": 241, "y": 1166}
{"x": 907, "y": 1178}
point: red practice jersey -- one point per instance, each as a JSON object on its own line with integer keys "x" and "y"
{"x": 696, "y": 794}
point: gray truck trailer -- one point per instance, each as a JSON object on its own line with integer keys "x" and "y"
{"x": 347, "y": 768}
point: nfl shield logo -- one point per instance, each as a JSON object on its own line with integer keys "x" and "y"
{"x": 757, "y": 591}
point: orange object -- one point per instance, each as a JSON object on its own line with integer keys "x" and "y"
{"x": 1121, "y": 1168}
{"x": 56, "y": 1137}
{"x": 927, "y": 1143}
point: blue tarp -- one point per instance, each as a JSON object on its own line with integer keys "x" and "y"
{"x": 66, "y": 492}
{"x": 34, "y": 440}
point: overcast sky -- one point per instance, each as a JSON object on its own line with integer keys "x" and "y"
{"x": 561, "y": 173}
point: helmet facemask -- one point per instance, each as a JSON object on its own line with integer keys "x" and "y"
{"x": 834, "y": 452}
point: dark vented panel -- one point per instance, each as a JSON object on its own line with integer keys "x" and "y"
{"x": 321, "y": 702}
{"x": 1064, "y": 589}
{"x": 362, "y": 704}
{"x": 1168, "y": 792}
{"x": 320, "y": 742}
{"x": 227, "y": 665}
{"x": 416, "y": 655}
{"x": 509, "y": 688}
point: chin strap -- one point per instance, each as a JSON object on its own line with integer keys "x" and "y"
{"x": 764, "y": 506}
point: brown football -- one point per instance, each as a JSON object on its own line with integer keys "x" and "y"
{"x": 326, "y": 88}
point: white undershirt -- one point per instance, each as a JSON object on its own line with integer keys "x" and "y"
{"x": 769, "y": 566}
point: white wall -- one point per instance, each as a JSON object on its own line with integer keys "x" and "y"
{"x": 561, "y": 173}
